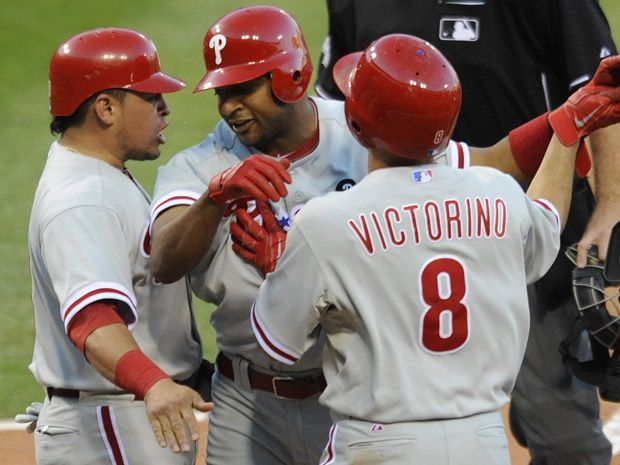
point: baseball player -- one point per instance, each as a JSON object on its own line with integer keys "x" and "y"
{"x": 110, "y": 340}
{"x": 513, "y": 68}
{"x": 276, "y": 144}
{"x": 416, "y": 277}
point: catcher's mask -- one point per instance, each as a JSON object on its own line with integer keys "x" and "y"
{"x": 598, "y": 313}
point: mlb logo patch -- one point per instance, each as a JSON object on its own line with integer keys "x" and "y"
{"x": 422, "y": 176}
{"x": 464, "y": 29}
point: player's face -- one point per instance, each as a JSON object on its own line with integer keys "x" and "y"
{"x": 253, "y": 113}
{"x": 143, "y": 119}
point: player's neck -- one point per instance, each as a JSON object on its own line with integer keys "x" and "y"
{"x": 301, "y": 129}
{"x": 90, "y": 145}
{"x": 380, "y": 159}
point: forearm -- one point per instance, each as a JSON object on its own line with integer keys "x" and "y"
{"x": 605, "y": 148}
{"x": 554, "y": 179}
{"x": 181, "y": 237}
{"x": 499, "y": 156}
{"x": 106, "y": 345}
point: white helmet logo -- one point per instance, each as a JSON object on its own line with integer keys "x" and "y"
{"x": 217, "y": 43}
{"x": 438, "y": 136}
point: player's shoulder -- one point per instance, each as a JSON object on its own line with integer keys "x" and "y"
{"x": 488, "y": 174}
{"x": 221, "y": 146}
{"x": 321, "y": 212}
{"x": 71, "y": 180}
{"x": 336, "y": 139}
{"x": 330, "y": 110}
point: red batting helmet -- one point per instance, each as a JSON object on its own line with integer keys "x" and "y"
{"x": 250, "y": 42}
{"x": 402, "y": 96}
{"x": 102, "y": 59}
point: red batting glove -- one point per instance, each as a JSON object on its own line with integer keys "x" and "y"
{"x": 594, "y": 106}
{"x": 261, "y": 245}
{"x": 260, "y": 177}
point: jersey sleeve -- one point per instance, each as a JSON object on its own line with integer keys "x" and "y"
{"x": 186, "y": 176}
{"x": 87, "y": 256}
{"x": 542, "y": 241}
{"x": 456, "y": 155}
{"x": 286, "y": 312}
{"x": 178, "y": 183}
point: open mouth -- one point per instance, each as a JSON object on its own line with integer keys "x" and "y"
{"x": 160, "y": 136}
{"x": 240, "y": 126}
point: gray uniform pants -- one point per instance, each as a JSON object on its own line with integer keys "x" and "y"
{"x": 253, "y": 427}
{"x": 552, "y": 413}
{"x": 475, "y": 440}
{"x": 100, "y": 430}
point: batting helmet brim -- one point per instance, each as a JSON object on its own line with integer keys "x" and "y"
{"x": 237, "y": 74}
{"x": 232, "y": 75}
{"x": 158, "y": 83}
{"x": 343, "y": 69}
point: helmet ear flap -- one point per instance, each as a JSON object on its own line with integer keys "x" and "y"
{"x": 289, "y": 85}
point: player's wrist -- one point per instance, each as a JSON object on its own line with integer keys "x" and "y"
{"x": 561, "y": 120}
{"x": 136, "y": 373}
{"x": 216, "y": 189}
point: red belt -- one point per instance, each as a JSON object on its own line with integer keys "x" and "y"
{"x": 283, "y": 387}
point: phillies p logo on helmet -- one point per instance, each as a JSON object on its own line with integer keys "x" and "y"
{"x": 217, "y": 43}
{"x": 259, "y": 40}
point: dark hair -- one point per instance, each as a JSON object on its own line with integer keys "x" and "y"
{"x": 60, "y": 124}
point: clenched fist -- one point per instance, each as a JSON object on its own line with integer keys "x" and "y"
{"x": 260, "y": 177}
{"x": 594, "y": 106}
{"x": 261, "y": 245}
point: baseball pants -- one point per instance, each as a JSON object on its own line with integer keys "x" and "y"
{"x": 474, "y": 440}
{"x": 100, "y": 430}
{"x": 253, "y": 427}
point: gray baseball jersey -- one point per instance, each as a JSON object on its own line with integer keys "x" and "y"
{"x": 249, "y": 426}
{"x": 89, "y": 241}
{"x": 223, "y": 278}
{"x": 417, "y": 276}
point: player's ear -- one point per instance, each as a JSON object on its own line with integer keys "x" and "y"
{"x": 105, "y": 108}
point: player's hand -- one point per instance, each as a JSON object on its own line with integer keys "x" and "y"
{"x": 260, "y": 177}
{"x": 606, "y": 214}
{"x": 594, "y": 106}
{"x": 169, "y": 408}
{"x": 30, "y": 417}
{"x": 261, "y": 245}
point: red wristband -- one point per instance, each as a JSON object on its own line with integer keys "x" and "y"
{"x": 529, "y": 143}
{"x": 136, "y": 373}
